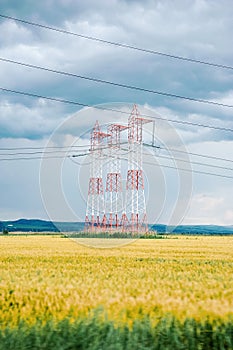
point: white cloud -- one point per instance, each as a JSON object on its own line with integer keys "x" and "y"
{"x": 228, "y": 217}
{"x": 205, "y": 209}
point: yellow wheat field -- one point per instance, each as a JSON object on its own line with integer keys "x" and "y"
{"x": 46, "y": 277}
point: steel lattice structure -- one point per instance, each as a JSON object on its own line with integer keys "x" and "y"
{"x": 95, "y": 212}
{"x": 135, "y": 196}
{"x": 106, "y": 208}
{"x": 114, "y": 194}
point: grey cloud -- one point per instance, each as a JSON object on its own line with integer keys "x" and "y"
{"x": 159, "y": 25}
{"x": 17, "y": 120}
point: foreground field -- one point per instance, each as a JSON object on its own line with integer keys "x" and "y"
{"x": 54, "y": 279}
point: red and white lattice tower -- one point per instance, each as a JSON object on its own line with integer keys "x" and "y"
{"x": 135, "y": 205}
{"x": 95, "y": 213}
{"x": 114, "y": 194}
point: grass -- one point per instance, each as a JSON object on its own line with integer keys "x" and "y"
{"x": 178, "y": 288}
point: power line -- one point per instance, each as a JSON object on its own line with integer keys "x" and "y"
{"x": 187, "y": 161}
{"x": 40, "y": 148}
{"x": 125, "y": 86}
{"x": 87, "y": 146}
{"x": 187, "y": 170}
{"x": 32, "y": 153}
{"x": 118, "y": 44}
{"x": 88, "y": 153}
{"x": 33, "y": 158}
{"x": 196, "y": 163}
{"x": 191, "y": 171}
{"x": 159, "y": 165}
{"x": 43, "y": 150}
{"x": 150, "y": 163}
{"x": 28, "y": 158}
{"x": 61, "y": 151}
{"x": 192, "y": 153}
{"x": 113, "y": 110}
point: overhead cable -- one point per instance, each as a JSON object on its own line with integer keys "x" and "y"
{"x": 40, "y": 148}
{"x": 159, "y": 165}
{"x": 44, "y": 156}
{"x": 192, "y": 153}
{"x": 113, "y": 110}
{"x": 125, "y": 86}
{"x": 87, "y": 146}
{"x": 118, "y": 44}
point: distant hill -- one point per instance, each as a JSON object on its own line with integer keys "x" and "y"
{"x": 35, "y": 225}
{"x": 195, "y": 229}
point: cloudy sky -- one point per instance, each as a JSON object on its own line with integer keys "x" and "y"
{"x": 201, "y": 30}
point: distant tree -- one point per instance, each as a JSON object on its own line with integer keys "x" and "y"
{"x": 5, "y": 231}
